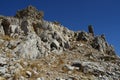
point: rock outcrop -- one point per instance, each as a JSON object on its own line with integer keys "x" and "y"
{"x": 32, "y": 48}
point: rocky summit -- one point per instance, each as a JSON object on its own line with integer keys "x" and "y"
{"x": 32, "y": 48}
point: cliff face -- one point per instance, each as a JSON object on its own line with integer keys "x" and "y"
{"x": 32, "y": 48}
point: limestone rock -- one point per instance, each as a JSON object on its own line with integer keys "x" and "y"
{"x": 100, "y": 44}
{"x": 90, "y": 29}
{"x": 82, "y": 36}
{"x": 6, "y": 26}
{"x": 29, "y": 12}
{"x": 28, "y": 48}
{"x": 32, "y": 48}
{"x": 54, "y": 45}
{"x": 29, "y": 74}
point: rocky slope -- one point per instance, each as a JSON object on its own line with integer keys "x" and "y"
{"x": 32, "y": 48}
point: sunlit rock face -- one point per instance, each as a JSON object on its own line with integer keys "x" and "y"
{"x": 32, "y": 48}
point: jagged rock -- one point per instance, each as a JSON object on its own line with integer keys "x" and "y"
{"x": 90, "y": 29}
{"x": 56, "y": 22}
{"x": 100, "y": 44}
{"x": 44, "y": 36}
{"x": 24, "y": 27}
{"x": 29, "y": 74}
{"x": 28, "y": 48}
{"x": 1, "y": 30}
{"x": 30, "y": 12}
{"x": 7, "y": 76}
{"x": 6, "y": 26}
{"x": 3, "y": 70}
{"x": 93, "y": 68}
{"x": 82, "y": 36}
{"x": 42, "y": 78}
{"x": 31, "y": 47}
{"x": 110, "y": 50}
{"x": 77, "y": 65}
{"x": 54, "y": 45}
{"x": 14, "y": 30}
{"x": 37, "y": 28}
{"x": 3, "y": 61}
{"x": 66, "y": 45}
{"x": 68, "y": 68}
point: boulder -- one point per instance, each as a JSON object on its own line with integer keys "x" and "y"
{"x": 29, "y": 48}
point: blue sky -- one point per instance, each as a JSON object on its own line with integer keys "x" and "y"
{"x": 104, "y": 15}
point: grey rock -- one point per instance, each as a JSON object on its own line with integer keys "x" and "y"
{"x": 1, "y": 30}
{"x": 54, "y": 45}
{"x": 94, "y": 68}
{"x": 17, "y": 65}
{"x": 3, "y": 61}
{"x": 69, "y": 67}
{"x": 37, "y": 28}
{"x": 7, "y": 75}
{"x": 3, "y": 70}
{"x": 6, "y": 26}
{"x": 24, "y": 27}
{"x": 90, "y": 29}
{"x": 41, "y": 78}
{"x": 28, "y": 48}
{"x": 82, "y": 36}
{"x": 77, "y": 65}
{"x": 100, "y": 44}
{"x": 66, "y": 45}
{"x": 29, "y": 12}
{"x": 44, "y": 36}
{"x": 22, "y": 78}
{"x": 29, "y": 74}
{"x": 34, "y": 46}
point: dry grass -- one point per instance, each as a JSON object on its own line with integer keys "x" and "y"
{"x": 7, "y": 38}
{"x": 1, "y": 78}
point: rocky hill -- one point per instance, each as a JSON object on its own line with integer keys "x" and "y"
{"x": 32, "y": 48}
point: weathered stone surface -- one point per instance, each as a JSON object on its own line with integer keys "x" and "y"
{"x": 82, "y": 36}
{"x": 100, "y": 44}
{"x": 90, "y": 29}
{"x": 3, "y": 70}
{"x": 29, "y": 48}
{"x": 6, "y": 26}
{"x": 29, "y": 74}
{"x": 24, "y": 27}
{"x": 30, "y": 12}
{"x": 54, "y": 45}
{"x": 32, "y": 48}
